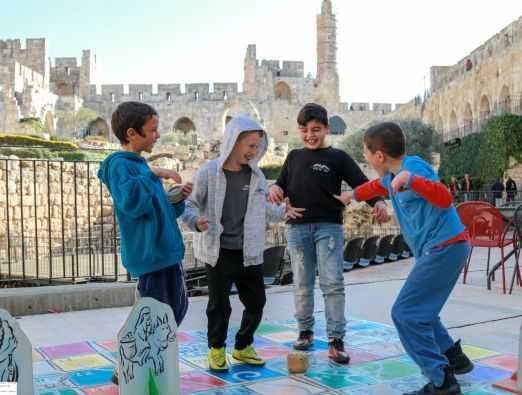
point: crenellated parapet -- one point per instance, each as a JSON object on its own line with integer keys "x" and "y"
{"x": 508, "y": 39}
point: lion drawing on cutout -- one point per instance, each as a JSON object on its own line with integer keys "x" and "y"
{"x": 145, "y": 344}
{"x": 8, "y": 343}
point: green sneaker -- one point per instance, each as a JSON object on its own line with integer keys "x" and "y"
{"x": 217, "y": 359}
{"x": 248, "y": 355}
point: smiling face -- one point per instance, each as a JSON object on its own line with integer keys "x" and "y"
{"x": 313, "y": 134}
{"x": 246, "y": 147}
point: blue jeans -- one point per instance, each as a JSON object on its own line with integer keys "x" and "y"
{"x": 417, "y": 308}
{"x": 318, "y": 247}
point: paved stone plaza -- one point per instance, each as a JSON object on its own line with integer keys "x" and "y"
{"x": 75, "y": 352}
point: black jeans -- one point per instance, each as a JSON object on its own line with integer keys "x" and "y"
{"x": 251, "y": 289}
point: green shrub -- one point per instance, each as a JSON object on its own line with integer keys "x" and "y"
{"x": 271, "y": 172}
{"x": 71, "y": 156}
{"x": 20, "y": 140}
{"x": 485, "y": 156}
{"x": 24, "y": 153}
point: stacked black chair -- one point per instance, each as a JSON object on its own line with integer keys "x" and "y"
{"x": 369, "y": 251}
{"x": 352, "y": 253}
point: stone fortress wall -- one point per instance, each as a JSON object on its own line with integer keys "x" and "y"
{"x": 273, "y": 91}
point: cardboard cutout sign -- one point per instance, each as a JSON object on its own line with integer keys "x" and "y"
{"x": 148, "y": 351}
{"x": 514, "y": 384}
{"x": 16, "y": 356}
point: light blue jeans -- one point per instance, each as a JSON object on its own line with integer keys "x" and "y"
{"x": 318, "y": 247}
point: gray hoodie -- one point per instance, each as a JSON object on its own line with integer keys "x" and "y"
{"x": 208, "y": 197}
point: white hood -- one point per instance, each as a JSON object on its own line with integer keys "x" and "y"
{"x": 234, "y": 128}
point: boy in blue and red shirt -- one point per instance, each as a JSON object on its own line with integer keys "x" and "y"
{"x": 438, "y": 239}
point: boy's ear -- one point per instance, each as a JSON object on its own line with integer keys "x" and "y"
{"x": 131, "y": 133}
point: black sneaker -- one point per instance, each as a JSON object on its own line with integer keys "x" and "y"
{"x": 304, "y": 341}
{"x": 115, "y": 377}
{"x": 336, "y": 351}
{"x": 458, "y": 360}
{"x": 449, "y": 387}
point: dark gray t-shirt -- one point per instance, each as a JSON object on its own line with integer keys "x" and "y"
{"x": 234, "y": 208}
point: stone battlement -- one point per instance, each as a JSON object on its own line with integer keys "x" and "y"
{"x": 14, "y": 48}
{"x": 504, "y": 41}
{"x": 195, "y": 91}
{"x": 378, "y": 107}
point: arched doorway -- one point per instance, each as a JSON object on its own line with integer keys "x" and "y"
{"x": 282, "y": 91}
{"x": 184, "y": 125}
{"x": 504, "y": 101}
{"x": 467, "y": 118}
{"x": 439, "y": 124}
{"x": 453, "y": 125}
{"x": 485, "y": 108}
{"x": 337, "y": 126}
{"x": 98, "y": 127}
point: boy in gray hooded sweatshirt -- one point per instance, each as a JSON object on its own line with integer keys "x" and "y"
{"x": 229, "y": 209}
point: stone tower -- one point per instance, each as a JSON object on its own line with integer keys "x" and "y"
{"x": 327, "y": 76}
{"x": 250, "y": 76}
{"x": 87, "y": 72}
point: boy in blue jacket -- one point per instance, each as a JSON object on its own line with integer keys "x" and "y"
{"x": 433, "y": 230}
{"x": 151, "y": 243}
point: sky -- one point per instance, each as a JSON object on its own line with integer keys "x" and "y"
{"x": 385, "y": 48}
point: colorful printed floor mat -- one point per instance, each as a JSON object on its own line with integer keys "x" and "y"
{"x": 379, "y": 366}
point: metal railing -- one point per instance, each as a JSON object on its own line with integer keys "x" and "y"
{"x": 57, "y": 225}
{"x": 496, "y": 198}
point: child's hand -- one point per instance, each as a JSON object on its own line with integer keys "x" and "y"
{"x": 292, "y": 212}
{"x": 399, "y": 181}
{"x": 167, "y": 174}
{"x": 187, "y": 189}
{"x": 202, "y": 224}
{"x": 276, "y": 195}
{"x": 380, "y": 212}
{"x": 345, "y": 197}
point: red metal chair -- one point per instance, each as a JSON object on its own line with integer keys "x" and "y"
{"x": 487, "y": 228}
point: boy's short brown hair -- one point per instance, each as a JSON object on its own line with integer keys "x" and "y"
{"x": 130, "y": 115}
{"x": 312, "y": 112}
{"x": 387, "y": 137}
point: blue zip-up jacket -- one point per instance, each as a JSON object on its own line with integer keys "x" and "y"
{"x": 422, "y": 224}
{"x": 150, "y": 236}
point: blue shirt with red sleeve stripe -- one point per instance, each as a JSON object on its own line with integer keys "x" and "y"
{"x": 423, "y": 208}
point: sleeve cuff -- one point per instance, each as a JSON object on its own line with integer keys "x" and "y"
{"x": 354, "y": 197}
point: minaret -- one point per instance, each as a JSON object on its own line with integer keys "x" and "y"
{"x": 327, "y": 76}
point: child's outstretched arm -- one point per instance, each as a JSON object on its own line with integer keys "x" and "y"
{"x": 281, "y": 212}
{"x": 434, "y": 192}
{"x": 370, "y": 190}
{"x": 196, "y": 201}
{"x": 132, "y": 194}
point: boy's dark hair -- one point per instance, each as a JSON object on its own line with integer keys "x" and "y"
{"x": 311, "y": 112}
{"x": 129, "y": 115}
{"x": 387, "y": 137}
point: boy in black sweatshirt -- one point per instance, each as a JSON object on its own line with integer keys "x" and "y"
{"x": 311, "y": 178}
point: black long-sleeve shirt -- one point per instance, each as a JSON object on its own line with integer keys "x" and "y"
{"x": 310, "y": 178}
